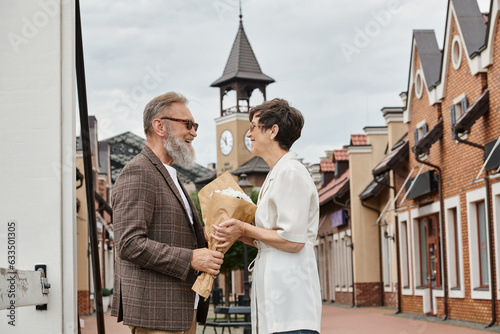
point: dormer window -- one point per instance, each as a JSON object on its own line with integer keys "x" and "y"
{"x": 459, "y": 107}
{"x": 419, "y": 132}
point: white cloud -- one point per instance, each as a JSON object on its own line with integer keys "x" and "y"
{"x": 296, "y": 42}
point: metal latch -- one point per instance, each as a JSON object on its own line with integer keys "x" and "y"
{"x": 44, "y": 281}
{"x": 42, "y": 269}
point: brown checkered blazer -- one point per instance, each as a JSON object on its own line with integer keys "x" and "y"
{"x": 154, "y": 241}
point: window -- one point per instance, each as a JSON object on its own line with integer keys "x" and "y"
{"x": 459, "y": 107}
{"x": 424, "y": 269}
{"x": 454, "y": 249}
{"x": 343, "y": 264}
{"x": 322, "y": 274}
{"x": 456, "y": 52}
{"x": 386, "y": 256}
{"x": 405, "y": 260}
{"x": 419, "y": 84}
{"x": 331, "y": 270}
{"x": 349, "y": 263}
{"x": 478, "y": 244}
{"x": 336, "y": 249}
{"x": 483, "y": 244}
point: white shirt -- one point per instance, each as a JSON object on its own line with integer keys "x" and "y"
{"x": 173, "y": 174}
{"x": 285, "y": 286}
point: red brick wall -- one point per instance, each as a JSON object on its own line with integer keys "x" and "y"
{"x": 368, "y": 294}
{"x": 460, "y": 164}
{"x": 344, "y": 298}
{"x": 83, "y": 302}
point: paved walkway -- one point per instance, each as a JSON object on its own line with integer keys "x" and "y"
{"x": 345, "y": 320}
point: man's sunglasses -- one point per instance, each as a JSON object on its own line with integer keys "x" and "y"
{"x": 189, "y": 124}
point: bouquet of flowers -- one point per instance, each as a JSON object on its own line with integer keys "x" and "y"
{"x": 220, "y": 200}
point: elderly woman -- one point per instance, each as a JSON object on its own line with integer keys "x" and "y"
{"x": 285, "y": 284}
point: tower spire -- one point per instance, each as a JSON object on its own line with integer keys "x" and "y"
{"x": 241, "y": 15}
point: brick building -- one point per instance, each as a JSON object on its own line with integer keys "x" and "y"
{"x": 435, "y": 196}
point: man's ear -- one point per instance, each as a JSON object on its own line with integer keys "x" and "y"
{"x": 159, "y": 127}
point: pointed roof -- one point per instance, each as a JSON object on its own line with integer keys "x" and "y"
{"x": 252, "y": 166}
{"x": 242, "y": 63}
{"x": 430, "y": 55}
{"x": 472, "y": 25}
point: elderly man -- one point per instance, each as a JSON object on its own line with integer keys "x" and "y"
{"x": 160, "y": 244}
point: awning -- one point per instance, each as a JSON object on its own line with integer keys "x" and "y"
{"x": 335, "y": 188}
{"x": 424, "y": 144}
{"x": 375, "y": 187}
{"x": 398, "y": 154}
{"x": 492, "y": 157}
{"x": 424, "y": 184}
{"x": 473, "y": 113}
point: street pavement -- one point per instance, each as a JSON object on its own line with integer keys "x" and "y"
{"x": 344, "y": 320}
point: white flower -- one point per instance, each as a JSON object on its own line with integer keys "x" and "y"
{"x": 234, "y": 193}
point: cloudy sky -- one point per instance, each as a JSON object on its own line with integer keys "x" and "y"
{"x": 338, "y": 61}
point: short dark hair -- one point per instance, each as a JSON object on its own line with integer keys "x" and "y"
{"x": 289, "y": 120}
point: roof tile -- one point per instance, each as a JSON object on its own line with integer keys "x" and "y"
{"x": 327, "y": 166}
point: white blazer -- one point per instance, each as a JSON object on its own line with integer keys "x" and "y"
{"x": 285, "y": 286}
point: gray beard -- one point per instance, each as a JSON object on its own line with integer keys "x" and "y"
{"x": 182, "y": 154}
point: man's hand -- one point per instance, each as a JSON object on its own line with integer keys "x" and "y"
{"x": 206, "y": 260}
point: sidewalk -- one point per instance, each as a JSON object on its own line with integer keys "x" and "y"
{"x": 345, "y": 320}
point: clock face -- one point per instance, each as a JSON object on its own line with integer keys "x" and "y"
{"x": 226, "y": 142}
{"x": 248, "y": 142}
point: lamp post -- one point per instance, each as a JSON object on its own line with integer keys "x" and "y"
{"x": 247, "y": 188}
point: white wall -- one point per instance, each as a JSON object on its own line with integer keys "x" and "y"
{"x": 37, "y": 154}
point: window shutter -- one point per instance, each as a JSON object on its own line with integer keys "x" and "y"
{"x": 453, "y": 120}
{"x": 425, "y": 129}
{"x": 465, "y": 105}
{"x": 415, "y": 136}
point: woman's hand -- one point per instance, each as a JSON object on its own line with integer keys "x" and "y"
{"x": 228, "y": 232}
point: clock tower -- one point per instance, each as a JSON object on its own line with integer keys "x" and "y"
{"x": 243, "y": 75}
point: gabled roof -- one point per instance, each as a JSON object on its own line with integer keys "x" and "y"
{"x": 252, "y": 166}
{"x": 242, "y": 63}
{"x": 340, "y": 155}
{"x": 335, "y": 187}
{"x": 327, "y": 166}
{"x": 472, "y": 25}
{"x": 430, "y": 55}
{"x": 358, "y": 140}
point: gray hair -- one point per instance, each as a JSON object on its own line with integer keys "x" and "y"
{"x": 157, "y": 105}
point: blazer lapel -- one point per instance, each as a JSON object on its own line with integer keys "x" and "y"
{"x": 166, "y": 175}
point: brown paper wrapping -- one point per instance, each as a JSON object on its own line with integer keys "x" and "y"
{"x": 215, "y": 209}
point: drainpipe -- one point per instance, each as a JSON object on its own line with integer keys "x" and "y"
{"x": 348, "y": 208}
{"x": 441, "y": 234}
{"x": 379, "y": 254}
{"x": 491, "y": 241}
